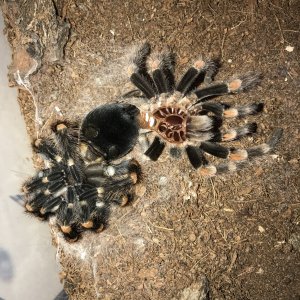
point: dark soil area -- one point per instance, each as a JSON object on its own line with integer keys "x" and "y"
{"x": 240, "y": 231}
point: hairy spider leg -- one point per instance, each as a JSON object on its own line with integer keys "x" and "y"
{"x": 41, "y": 188}
{"x": 35, "y": 203}
{"x": 66, "y": 134}
{"x": 162, "y": 67}
{"x": 67, "y": 219}
{"x": 51, "y": 205}
{"x": 99, "y": 216}
{"x": 239, "y": 132}
{"x": 120, "y": 181}
{"x": 237, "y": 157}
{"x": 235, "y": 85}
{"x": 94, "y": 209}
{"x": 42, "y": 180}
{"x": 110, "y": 170}
{"x": 122, "y": 199}
{"x": 227, "y": 112}
{"x": 196, "y": 75}
{"x": 155, "y": 149}
{"x": 138, "y": 72}
{"x": 196, "y": 156}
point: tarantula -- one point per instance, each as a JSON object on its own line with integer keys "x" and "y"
{"x": 183, "y": 115}
{"x": 79, "y": 182}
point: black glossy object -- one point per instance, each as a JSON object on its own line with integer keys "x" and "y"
{"x": 111, "y": 129}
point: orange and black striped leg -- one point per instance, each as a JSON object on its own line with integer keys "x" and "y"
{"x": 93, "y": 213}
{"x": 204, "y": 108}
{"x": 236, "y": 85}
{"x": 242, "y": 111}
{"x": 112, "y": 170}
{"x": 156, "y": 148}
{"x": 238, "y": 157}
{"x": 66, "y": 134}
{"x": 46, "y": 149}
{"x": 51, "y": 206}
{"x": 122, "y": 199}
{"x": 210, "y": 170}
{"x": 35, "y": 202}
{"x": 241, "y": 154}
{"x": 99, "y": 170}
{"x": 237, "y": 133}
{"x": 67, "y": 219}
{"x": 94, "y": 209}
{"x": 195, "y": 75}
{"x": 99, "y": 216}
{"x": 122, "y": 184}
{"x": 40, "y": 183}
{"x": 110, "y": 176}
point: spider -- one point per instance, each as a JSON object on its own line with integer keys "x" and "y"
{"x": 79, "y": 182}
{"x": 183, "y": 117}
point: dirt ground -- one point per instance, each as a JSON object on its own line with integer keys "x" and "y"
{"x": 236, "y": 235}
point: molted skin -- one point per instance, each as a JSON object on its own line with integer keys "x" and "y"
{"x": 111, "y": 129}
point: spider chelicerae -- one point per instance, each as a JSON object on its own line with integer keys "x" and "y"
{"x": 79, "y": 182}
{"x": 183, "y": 116}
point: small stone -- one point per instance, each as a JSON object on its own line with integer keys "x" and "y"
{"x": 140, "y": 190}
{"x": 192, "y": 237}
{"x": 186, "y": 197}
{"x": 155, "y": 240}
{"x": 245, "y": 191}
{"x": 294, "y": 240}
{"x": 293, "y": 161}
{"x": 183, "y": 61}
{"x": 259, "y": 171}
{"x": 289, "y": 48}
{"x": 228, "y": 209}
{"x": 261, "y": 229}
{"x": 163, "y": 180}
